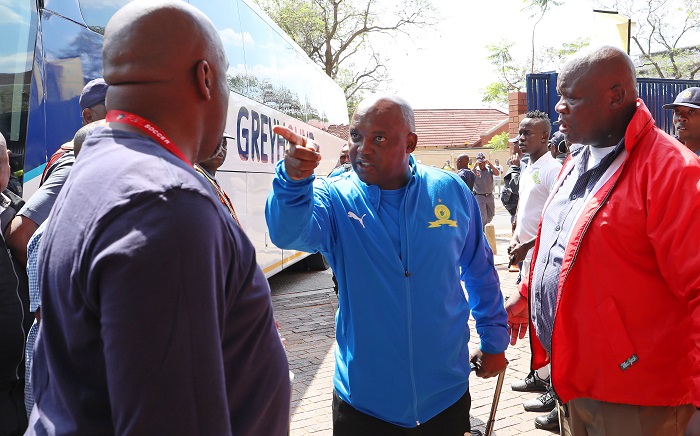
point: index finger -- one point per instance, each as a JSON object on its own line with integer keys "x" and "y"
{"x": 290, "y": 135}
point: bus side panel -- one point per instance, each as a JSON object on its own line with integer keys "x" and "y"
{"x": 35, "y": 151}
{"x": 268, "y": 255}
{"x": 255, "y": 151}
{"x": 72, "y": 56}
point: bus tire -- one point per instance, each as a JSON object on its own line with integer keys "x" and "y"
{"x": 316, "y": 262}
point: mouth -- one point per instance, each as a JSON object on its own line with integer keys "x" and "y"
{"x": 563, "y": 126}
{"x": 363, "y": 164}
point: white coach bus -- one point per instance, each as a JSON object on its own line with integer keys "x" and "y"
{"x": 49, "y": 49}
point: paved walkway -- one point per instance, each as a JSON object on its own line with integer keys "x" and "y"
{"x": 305, "y": 304}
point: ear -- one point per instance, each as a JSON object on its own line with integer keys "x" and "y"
{"x": 205, "y": 79}
{"x": 411, "y": 142}
{"x": 87, "y": 116}
{"x": 618, "y": 96}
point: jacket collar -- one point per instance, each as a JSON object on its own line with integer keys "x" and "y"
{"x": 641, "y": 123}
{"x": 373, "y": 192}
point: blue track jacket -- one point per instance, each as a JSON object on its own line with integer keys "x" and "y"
{"x": 401, "y": 326}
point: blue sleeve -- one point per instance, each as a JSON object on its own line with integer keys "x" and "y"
{"x": 298, "y": 213}
{"x": 39, "y": 205}
{"x": 483, "y": 287}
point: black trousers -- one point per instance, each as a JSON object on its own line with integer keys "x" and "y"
{"x": 453, "y": 421}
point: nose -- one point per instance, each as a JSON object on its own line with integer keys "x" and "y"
{"x": 363, "y": 146}
{"x": 560, "y": 106}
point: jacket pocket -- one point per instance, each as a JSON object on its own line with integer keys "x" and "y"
{"x": 616, "y": 334}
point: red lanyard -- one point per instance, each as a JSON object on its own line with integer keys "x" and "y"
{"x": 147, "y": 127}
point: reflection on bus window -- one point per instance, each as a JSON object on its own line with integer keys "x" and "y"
{"x": 224, "y": 15}
{"x": 17, "y": 37}
{"x": 260, "y": 59}
{"x": 97, "y": 13}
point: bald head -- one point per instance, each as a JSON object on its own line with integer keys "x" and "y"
{"x": 607, "y": 65}
{"x": 598, "y": 91}
{"x": 164, "y": 60}
{"x": 82, "y": 134}
{"x": 462, "y": 161}
{"x": 388, "y": 102}
{"x": 142, "y": 38}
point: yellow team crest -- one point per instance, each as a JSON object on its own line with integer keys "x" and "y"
{"x": 686, "y": 94}
{"x": 442, "y": 213}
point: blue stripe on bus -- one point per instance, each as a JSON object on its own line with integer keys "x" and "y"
{"x": 36, "y": 172}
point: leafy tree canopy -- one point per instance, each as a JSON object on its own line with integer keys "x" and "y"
{"x": 338, "y": 35}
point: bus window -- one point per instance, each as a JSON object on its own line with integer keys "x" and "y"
{"x": 17, "y": 37}
{"x": 224, "y": 15}
{"x": 292, "y": 80}
{"x": 334, "y": 103}
{"x": 314, "y": 96}
{"x": 260, "y": 56}
{"x": 97, "y": 13}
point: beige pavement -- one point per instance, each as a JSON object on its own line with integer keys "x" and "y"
{"x": 305, "y": 304}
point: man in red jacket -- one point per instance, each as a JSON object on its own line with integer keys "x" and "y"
{"x": 614, "y": 296}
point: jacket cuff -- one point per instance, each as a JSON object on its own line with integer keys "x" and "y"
{"x": 282, "y": 174}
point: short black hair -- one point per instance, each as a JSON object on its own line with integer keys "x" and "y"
{"x": 539, "y": 115}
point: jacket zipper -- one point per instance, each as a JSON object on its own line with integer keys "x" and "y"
{"x": 407, "y": 274}
{"x": 21, "y": 305}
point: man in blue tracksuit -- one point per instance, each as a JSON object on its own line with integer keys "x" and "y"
{"x": 396, "y": 234}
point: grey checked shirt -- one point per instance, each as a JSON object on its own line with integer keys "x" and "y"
{"x": 557, "y": 222}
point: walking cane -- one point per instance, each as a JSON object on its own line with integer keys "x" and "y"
{"x": 494, "y": 405}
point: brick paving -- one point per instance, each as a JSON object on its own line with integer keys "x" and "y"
{"x": 305, "y": 305}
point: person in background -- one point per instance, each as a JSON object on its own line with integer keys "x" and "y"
{"x": 37, "y": 208}
{"x": 483, "y": 187}
{"x": 558, "y": 147}
{"x": 686, "y": 118}
{"x": 498, "y": 180}
{"x": 464, "y": 172}
{"x": 92, "y": 105}
{"x": 511, "y": 182}
{"x": 208, "y": 169}
{"x": 536, "y": 182}
{"x": 391, "y": 225}
{"x": 14, "y": 314}
{"x": 343, "y": 164}
{"x": 175, "y": 333}
{"x": 614, "y": 295}
{"x": 33, "y": 277}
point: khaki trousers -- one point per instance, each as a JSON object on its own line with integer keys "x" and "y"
{"x": 587, "y": 417}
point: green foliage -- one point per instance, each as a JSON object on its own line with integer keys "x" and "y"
{"x": 499, "y": 142}
{"x": 511, "y": 72}
{"x": 338, "y": 35}
{"x": 495, "y": 92}
{"x": 661, "y": 36}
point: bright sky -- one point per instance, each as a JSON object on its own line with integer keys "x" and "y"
{"x": 447, "y": 67}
